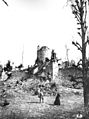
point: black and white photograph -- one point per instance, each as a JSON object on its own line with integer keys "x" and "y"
{"x": 44, "y": 59}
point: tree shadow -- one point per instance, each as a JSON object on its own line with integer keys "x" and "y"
{"x": 34, "y": 102}
{"x": 51, "y": 104}
{"x": 54, "y": 105}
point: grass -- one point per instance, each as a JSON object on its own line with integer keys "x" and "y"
{"x": 26, "y": 106}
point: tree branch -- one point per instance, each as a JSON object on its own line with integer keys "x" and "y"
{"x": 77, "y": 45}
{"x": 5, "y": 2}
{"x": 85, "y": 13}
{"x": 79, "y": 34}
{"x": 78, "y": 64}
{"x": 77, "y": 3}
{"x": 77, "y": 17}
{"x": 87, "y": 42}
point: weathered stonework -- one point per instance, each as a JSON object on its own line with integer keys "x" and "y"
{"x": 47, "y": 63}
{"x": 43, "y": 53}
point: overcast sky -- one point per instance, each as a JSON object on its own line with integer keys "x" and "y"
{"x": 28, "y": 23}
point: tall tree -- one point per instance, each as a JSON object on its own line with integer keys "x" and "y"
{"x": 80, "y": 10}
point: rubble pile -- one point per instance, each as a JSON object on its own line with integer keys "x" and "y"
{"x": 33, "y": 85}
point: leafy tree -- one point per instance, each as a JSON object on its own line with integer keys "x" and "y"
{"x": 79, "y": 10}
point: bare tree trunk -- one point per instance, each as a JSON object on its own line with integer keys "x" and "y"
{"x": 79, "y": 9}
{"x": 84, "y": 72}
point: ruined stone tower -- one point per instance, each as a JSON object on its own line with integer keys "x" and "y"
{"x": 47, "y": 62}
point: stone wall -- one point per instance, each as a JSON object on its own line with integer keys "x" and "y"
{"x": 43, "y": 52}
{"x": 46, "y": 62}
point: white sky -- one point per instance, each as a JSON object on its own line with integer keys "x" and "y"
{"x": 36, "y": 22}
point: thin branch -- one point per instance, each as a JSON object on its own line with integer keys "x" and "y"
{"x": 77, "y": 45}
{"x": 5, "y": 2}
{"x": 87, "y": 42}
{"x": 77, "y": 3}
{"x": 79, "y": 63}
{"x": 85, "y": 13}
{"x": 74, "y": 7}
{"x": 79, "y": 34}
{"x": 75, "y": 11}
{"x": 78, "y": 19}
